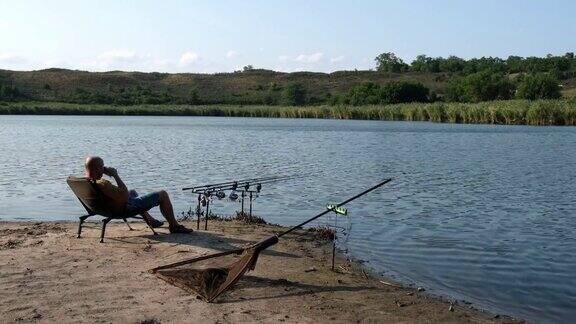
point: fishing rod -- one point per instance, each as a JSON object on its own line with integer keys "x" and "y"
{"x": 246, "y": 192}
{"x": 237, "y": 181}
{"x": 231, "y": 185}
{"x": 218, "y": 191}
{"x": 230, "y": 182}
{"x": 242, "y": 185}
{"x": 205, "y": 192}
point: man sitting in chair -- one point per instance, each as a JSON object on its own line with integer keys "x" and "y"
{"x": 128, "y": 200}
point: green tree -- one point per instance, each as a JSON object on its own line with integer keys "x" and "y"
{"x": 389, "y": 62}
{"x": 270, "y": 96}
{"x": 393, "y": 92}
{"x": 9, "y": 93}
{"x": 403, "y": 91}
{"x": 364, "y": 94}
{"x": 294, "y": 95}
{"x": 334, "y": 100}
{"x": 452, "y": 64}
{"x": 514, "y": 64}
{"x": 81, "y": 96}
{"x": 193, "y": 97}
{"x": 423, "y": 63}
{"x": 538, "y": 86}
{"x": 480, "y": 86}
{"x": 420, "y": 63}
{"x": 101, "y": 98}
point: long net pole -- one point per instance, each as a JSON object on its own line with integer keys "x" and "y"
{"x": 340, "y": 204}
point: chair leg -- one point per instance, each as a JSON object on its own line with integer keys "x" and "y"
{"x": 82, "y": 219}
{"x": 149, "y": 226}
{"x": 128, "y": 224}
{"x": 104, "y": 223}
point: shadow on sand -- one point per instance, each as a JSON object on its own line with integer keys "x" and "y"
{"x": 200, "y": 239}
{"x": 256, "y": 288}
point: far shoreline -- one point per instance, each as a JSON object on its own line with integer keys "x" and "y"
{"x": 558, "y": 112}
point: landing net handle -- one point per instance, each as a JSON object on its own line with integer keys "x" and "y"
{"x": 330, "y": 210}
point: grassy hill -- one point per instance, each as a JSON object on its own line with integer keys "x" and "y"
{"x": 249, "y": 87}
{"x": 428, "y": 89}
{"x": 425, "y": 79}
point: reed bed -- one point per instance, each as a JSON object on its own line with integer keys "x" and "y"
{"x": 511, "y": 112}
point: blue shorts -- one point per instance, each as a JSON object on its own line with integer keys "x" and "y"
{"x": 138, "y": 204}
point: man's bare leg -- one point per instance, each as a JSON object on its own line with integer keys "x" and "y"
{"x": 166, "y": 208}
{"x": 168, "y": 212}
{"x": 148, "y": 218}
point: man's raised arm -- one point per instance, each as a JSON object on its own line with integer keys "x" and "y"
{"x": 114, "y": 174}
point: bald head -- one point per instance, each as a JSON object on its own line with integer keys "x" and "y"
{"x": 94, "y": 166}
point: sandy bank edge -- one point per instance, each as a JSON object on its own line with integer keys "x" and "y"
{"x": 48, "y": 275}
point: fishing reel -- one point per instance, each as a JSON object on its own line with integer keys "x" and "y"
{"x": 206, "y": 196}
{"x": 220, "y": 194}
{"x": 240, "y": 191}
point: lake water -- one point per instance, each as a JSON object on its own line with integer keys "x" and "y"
{"x": 476, "y": 212}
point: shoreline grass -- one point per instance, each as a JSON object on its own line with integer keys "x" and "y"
{"x": 511, "y": 112}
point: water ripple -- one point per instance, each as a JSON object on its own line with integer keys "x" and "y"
{"x": 478, "y": 212}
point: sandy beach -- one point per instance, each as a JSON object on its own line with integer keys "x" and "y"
{"x": 48, "y": 275}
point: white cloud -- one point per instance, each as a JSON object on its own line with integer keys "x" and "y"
{"x": 126, "y": 60}
{"x": 302, "y": 58}
{"x": 290, "y": 69}
{"x": 8, "y": 58}
{"x": 337, "y": 59}
{"x": 189, "y": 58}
{"x": 309, "y": 58}
{"x": 158, "y": 65}
{"x": 56, "y": 64}
{"x": 118, "y": 56}
{"x": 231, "y": 54}
{"x": 116, "y": 59}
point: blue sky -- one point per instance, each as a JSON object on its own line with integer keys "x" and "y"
{"x": 219, "y": 36}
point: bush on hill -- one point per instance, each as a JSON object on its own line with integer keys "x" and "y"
{"x": 365, "y": 94}
{"x": 480, "y": 86}
{"x": 294, "y": 95}
{"x": 404, "y": 91}
{"x": 9, "y": 93}
{"x": 538, "y": 86}
{"x": 389, "y": 62}
{"x": 513, "y": 64}
{"x": 391, "y": 93}
{"x": 126, "y": 97}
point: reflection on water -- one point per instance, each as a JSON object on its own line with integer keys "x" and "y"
{"x": 482, "y": 213}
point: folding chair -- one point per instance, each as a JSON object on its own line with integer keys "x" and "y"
{"x": 96, "y": 204}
